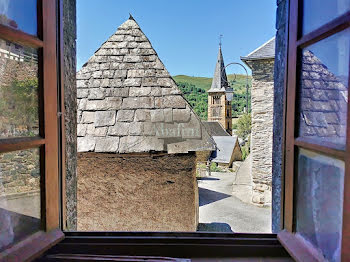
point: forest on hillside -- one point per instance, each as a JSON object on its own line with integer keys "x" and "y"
{"x": 195, "y": 91}
{"x": 197, "y": 97}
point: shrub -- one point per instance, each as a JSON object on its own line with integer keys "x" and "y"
{"x": 246, "y": 149}
{"x": 215, "y": 168}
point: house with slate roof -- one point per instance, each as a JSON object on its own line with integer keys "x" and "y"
{"x": 261, "y": 62}
{"x": 228, "y": 150}
{"x": 214, "y": 129}
{"x": 137, "y": 138}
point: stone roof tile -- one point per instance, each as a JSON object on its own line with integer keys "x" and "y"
{"x": 225, "y": 147}
{"x": 267, "y": 50}
{"x": 323, "y": 100}
{"x": 215, "y": 128}
{"x": 219, "y": 83}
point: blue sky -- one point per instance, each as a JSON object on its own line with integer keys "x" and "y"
{"x": 185, "y": 33}
{"x": 22, "y": 12}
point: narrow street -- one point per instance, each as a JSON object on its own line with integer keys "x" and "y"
{"x": 222, "y": 212}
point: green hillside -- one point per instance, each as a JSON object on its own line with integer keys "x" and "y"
{"x": 194, "y": 89}
{"x": 201, "y": 82}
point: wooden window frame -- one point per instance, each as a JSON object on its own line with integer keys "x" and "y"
{"x": 51, "y": 142}
{"x": 294, "y": 244}
{"x": 47, "y": 140}
{"x": 52, "y": 153}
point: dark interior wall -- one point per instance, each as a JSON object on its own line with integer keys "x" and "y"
{"x": 279, "y": 84}
{"x": 70, "y": 96}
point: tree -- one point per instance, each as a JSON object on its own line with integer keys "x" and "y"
{"x": 197, "y": 97}
{"x": 19, "y": 97}
{"x": 244, "y": 126}
{"x": 246, "y": 149}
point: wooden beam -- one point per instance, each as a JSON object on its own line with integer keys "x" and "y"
{"x": 32, "y": 247}
{"x": 19, "y": 37}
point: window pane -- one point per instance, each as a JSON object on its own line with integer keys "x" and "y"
{"x": 317, "y": 14}
{"x": 18, "y": 90}
{"x": 19, "y": 195}
{"x": 324, "y": 89}
{"x": 19, "y": 14}
{"x": 319, "y": 207}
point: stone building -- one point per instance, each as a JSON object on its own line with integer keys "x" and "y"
{"x": 219, "y": 108}
{"x": 137, "y": 138}
{"x": 261, "y": 62}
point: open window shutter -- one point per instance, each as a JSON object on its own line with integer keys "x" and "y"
{"x": 317, "y": 140}
{"x": 29, "y": 150}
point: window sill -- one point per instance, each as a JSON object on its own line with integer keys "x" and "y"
{"x": 180, "y": 245}
{"x": 33, "y": 246}
{"x": 297, "y": 248}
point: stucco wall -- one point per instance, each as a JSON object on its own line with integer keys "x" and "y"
{"x": 262, "y": 131}
{"x": 142, "y": 192}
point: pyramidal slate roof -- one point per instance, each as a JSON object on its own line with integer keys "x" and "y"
{"x": 128, "y": 102}
{"x": 324, "y": 99}
{"x": 219, "y": 82}
{"x": 265, "y": 51}
{"x": 225, "y": 147}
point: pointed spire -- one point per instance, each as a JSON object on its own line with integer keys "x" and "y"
{"x": 131, "y": 17}
{"x": 219, "y": 83}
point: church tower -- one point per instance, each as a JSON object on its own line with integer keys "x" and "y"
{"x": 219, "y": 108}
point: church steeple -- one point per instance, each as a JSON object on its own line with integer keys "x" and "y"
{"x": 219, "y": 108}
{"x": 219, "y": 83}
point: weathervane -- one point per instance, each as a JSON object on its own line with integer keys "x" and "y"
{"x": 220, "y": 38}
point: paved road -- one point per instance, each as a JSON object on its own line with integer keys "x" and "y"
{"x": 220, "y": 209}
